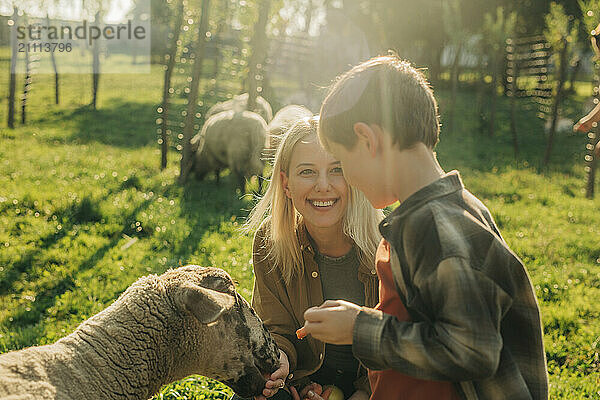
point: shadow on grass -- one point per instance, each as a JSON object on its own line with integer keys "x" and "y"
{"x": 84, "y": 211}
{"x": 205, "y": 204}
{"x": 47, "y": 297}
{"x": 120, "y": 124}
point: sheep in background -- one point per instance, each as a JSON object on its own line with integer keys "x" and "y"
{"x": 263, "y": 108}
{"x": 303, "y": 97}
{"x": 233, "y": 140}
{"x": 283, "y": 120}
{"x": 189, "y": 320}
{"x": 563, "y": 125}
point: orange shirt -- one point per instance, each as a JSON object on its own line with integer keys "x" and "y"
{"x": 390, "y": 384}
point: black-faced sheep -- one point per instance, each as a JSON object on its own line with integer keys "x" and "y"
{"x": 233, "y": 140}
{"x": 190, "y": 320}
{"x": 283, "y": 120}
{"x": 263, "y": 108}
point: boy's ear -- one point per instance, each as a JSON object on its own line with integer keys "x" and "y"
{"x": 368, "y": 136}
{"x": 284, "y": 184}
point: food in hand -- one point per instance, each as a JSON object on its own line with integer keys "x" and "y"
{"x": 301, "y": 333}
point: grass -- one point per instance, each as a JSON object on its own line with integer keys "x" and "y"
{"x": 85, "y": 211}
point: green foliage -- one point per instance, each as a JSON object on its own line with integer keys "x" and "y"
{"x": 590, "y": 10}
{"x": 561, "y": 29}
{"x": 497, "y": 29}
{"x": 194, "y": 388}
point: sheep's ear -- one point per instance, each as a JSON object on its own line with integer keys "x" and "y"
{"x": 205, "y": 304}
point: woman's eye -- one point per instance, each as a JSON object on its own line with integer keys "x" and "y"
{"x": 337, "y": 170}
{"x": 306, "y": 172}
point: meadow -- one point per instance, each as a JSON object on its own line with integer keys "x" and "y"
{"x": 85, "y": 210}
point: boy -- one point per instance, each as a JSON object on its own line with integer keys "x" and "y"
{"x": 457, "y": 316}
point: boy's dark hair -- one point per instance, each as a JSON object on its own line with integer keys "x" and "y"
{"x": 386, "y": 91}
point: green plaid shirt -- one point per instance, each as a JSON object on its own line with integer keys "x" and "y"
{"x": 475, "y": 320}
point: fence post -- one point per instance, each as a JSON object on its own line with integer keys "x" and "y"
{"x": 591, "y": 158}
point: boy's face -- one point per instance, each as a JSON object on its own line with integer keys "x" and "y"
{"x": 363, "y": 167}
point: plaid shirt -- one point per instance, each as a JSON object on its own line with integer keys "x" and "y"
{"x": 475, "y": 320}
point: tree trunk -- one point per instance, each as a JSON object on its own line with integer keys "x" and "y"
{"x": 56, "y": 77}
{"x": 259, "y": 50}
{"x": 454, "y": 90}
{"x": 493, "y": 96}
{"x": 574, "y": 73}
{"x": 592, "y": 164}
{"x": 13, "y": 71}
{"x": 481, "y": 95}
{"x": 26, "y": 86}
{"x": 310, "y": 8}
{"x": 95, "y": 65}
{"x": 218, "y": 56}
{"x": 512, "y": 92}
{"x": 188, "y": 130}
{"x": 513, "y": 121}
{"x": 559, "y": 92}
{"x": 172, "y": 53}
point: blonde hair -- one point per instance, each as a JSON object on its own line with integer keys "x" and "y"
{"x": 280, "y": 219}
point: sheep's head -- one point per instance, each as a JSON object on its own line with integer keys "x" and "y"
{"x": 239, "y": 350}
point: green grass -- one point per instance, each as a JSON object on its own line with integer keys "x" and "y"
{"x": 85, "y": 211}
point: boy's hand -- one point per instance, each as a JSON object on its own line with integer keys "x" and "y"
{"x": 331, "y": 322}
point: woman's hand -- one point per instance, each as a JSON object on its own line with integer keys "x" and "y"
{"x": 314, "y": 391}
{"x": 277, "y": 379}
{"x": 359, "y": 395}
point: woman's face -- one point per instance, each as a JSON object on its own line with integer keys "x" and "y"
{"x": 315, "y": 184}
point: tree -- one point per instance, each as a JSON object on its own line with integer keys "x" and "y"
{"x": 259, "y": 54}
{"x": 561, "y": 32}
{"x": 497, "y": 29}
{"x": 26, "y": 83}
{"x": 169, "y": 67}
{"x": 96, "y": 63}
{"x": 12, "y": 72}
{"x": 188, "y": 130}
{"x": 55, "y": 67}
{"x": 458, "y": 35}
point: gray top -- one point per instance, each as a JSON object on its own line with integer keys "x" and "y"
{"x": 339, "y": 279}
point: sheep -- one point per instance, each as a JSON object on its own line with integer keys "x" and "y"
{"x": 263, "y": 108}
{"x": 231, "y": 139}
{"x": 283, "y": 120}
{"x": 563, "y": 125}
{"x": 189, "y": 320}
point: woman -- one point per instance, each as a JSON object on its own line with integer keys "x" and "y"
{"x": 316, "y": 240}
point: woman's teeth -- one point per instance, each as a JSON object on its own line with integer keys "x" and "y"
{"x": 322, "y": 203}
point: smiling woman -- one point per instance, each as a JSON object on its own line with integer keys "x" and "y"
{"x": 315, "y": 240}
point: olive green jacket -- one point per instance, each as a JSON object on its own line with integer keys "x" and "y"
{"x": 281, "y": 306}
